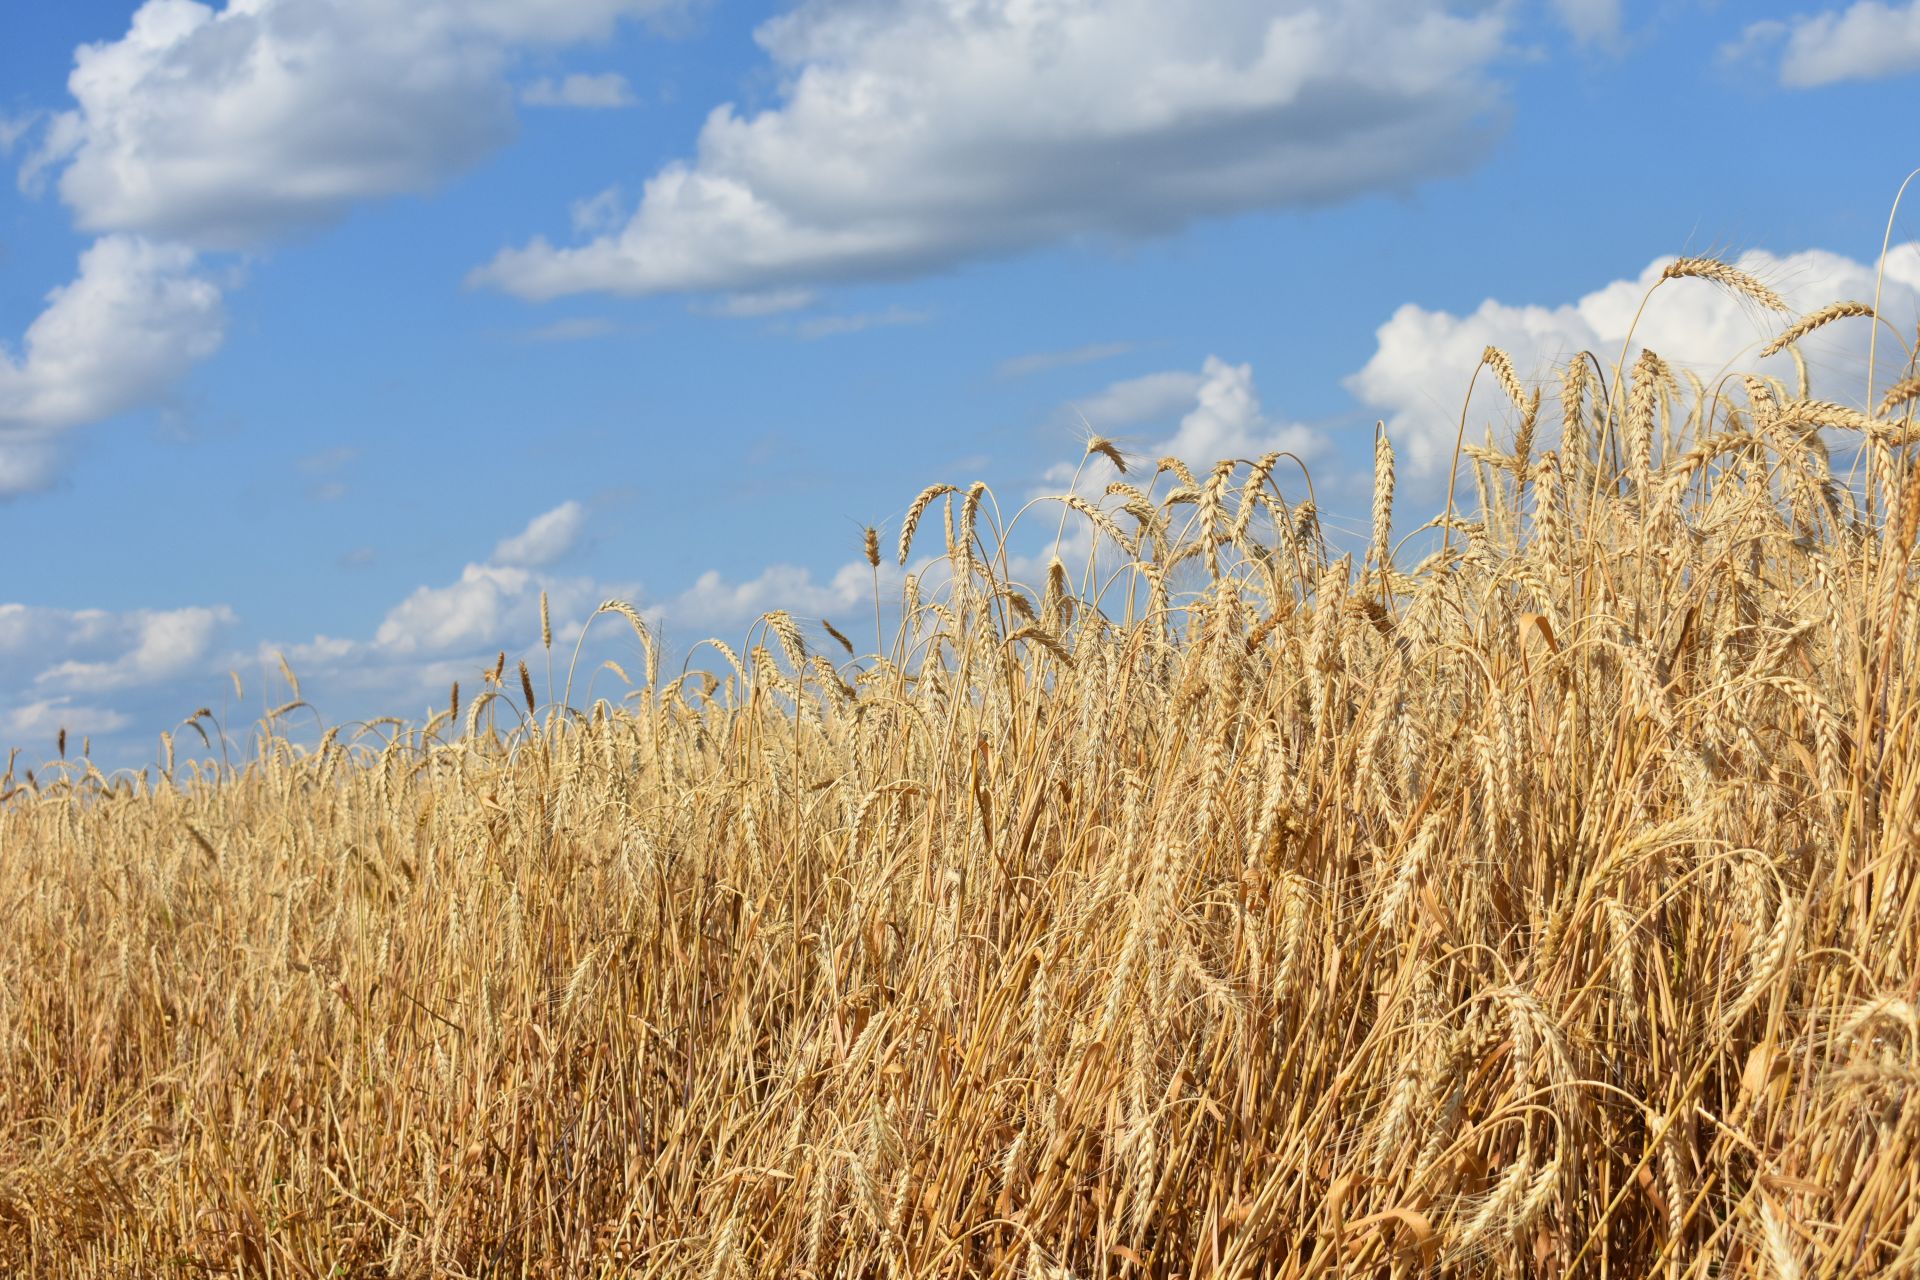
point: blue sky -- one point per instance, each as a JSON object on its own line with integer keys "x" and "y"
{"x": 344, "y": 327}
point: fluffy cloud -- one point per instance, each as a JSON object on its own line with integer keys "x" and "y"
{"x": 146, "y": 646}
{"x": 606, "y": 90}
{"x": 1590, "y": 19}
{"x": 206, "y": 129}
{"x": 917, "y": 135}
{"x": 546, "y": 538}
{"x": 1424, "y": 360}
{"x": 715, "y": 605}
{"x": 228, "y": 128}
{"x": 1868, "y": 40}
{"x": 491, "y": 603}
{"x": 439, "y": 634}
{"x": 114, "y": 337}
{"x": 466, "y": 613}
{"x": 63, "y": 659}
{"x": 1220, "y": 415}
{"x": 43, "y": 720}
{"x": 1228, "y": 421}
{"x": 1152, "y": 397}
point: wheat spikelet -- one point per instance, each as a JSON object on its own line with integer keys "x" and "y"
{"x": 1413, "y": 865}
{"x": 1647, "y": 375}
{"x": 1179, "y": 469}
{"x": 1502, "y": 365}
{"x": 1726, "y": 274}
{"x": 914, "y": 512}
{"x": 1779, "y": 1244}
{"x": 870, "y": 545}
{"x": 546, "y": 624}
{"x": 1498, "y": 1210}
{"x": 286, "y": 672}
{"x": 1814, "y": 320}
{"x": 526, "y": 686}
{"x": 1045, "y": 639}
{"x": 1380, "y": 550}
{"x": 1902, "y": 393}
{"x": 787, "y": 631}
{"x": 1101, "y": 520}
{"x": 1523, "y": 438}
{"x": 1108, "y": 450}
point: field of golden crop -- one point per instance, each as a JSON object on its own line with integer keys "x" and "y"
{"x": 1216, "y": 905}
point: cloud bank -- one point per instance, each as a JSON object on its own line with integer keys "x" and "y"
{"x": 915, "y": 136}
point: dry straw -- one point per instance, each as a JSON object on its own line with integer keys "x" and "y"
{"x": 1239, "y": 905}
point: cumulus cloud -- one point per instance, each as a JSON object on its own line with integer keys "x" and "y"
{"x": 43, "y": 720}
{"x": 1590, "y": 19}
{"x": 144, "y": 646}
{"x": 1424, "y": 360}
{"x": 1228, "y": 421}
{"x": 717, "y": 605}
{"x": 228, "y": 128}
{"x": 466, "y": 613}
{"x": 207, "y": 129}
{"x": 913, "y": 136}
{"x": 1868, "y": 40}
{"x": 1216, "y": 413}
{"x": 596, "y": 92}
{"x": 136, "y": 315}
{"x": 440, "y": 633}
{"x": 546, "y": 538}
{"x": 62, "y": 660}
{"x": 491, "y": 601}
{"x": 1152, "y": 397}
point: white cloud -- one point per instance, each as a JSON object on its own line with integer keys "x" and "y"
{"x": 1424, "y": 360}
{"x": 914, "y": 136}
{"x": 600, "y": 212}
{"x": 546, "y": 538}
{"x": 463, "y": 614}
{"x": 1220, "y": 416}
{"x": 1227, "y": 421}
{"x": 228, "y": 128}
{"x": 101, "y": 650}
{"x": 1041, "y": 361}
{"x": 834, "y": 326}
{"x": 166, "y": 643}
{"x": 715, "y": 605}
{"x": 42, "y": 721}
{"x": 1590, "y": 19}
{"x": 768, "y": 303}
{"x": 603, "y": 91}
{"x": 1868, "y": 40}
{"x": 15, "y": 127}
{"x": 115, "y": 337}
{"x": 1152, "y": 397}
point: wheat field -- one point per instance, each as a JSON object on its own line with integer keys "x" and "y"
{"x": 1219, "y": 903}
